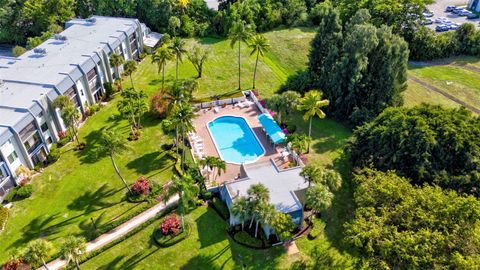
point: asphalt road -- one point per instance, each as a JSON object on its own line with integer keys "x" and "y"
{"x": 438, "y": 10}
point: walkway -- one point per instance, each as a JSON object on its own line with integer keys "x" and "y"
{"x": 118, "y": 232}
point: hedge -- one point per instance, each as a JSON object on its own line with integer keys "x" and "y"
{"x": 244, "y": 238}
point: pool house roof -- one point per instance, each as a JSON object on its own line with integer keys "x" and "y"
{"x": 271, "y": 127}
{"x": 282, "y": 184}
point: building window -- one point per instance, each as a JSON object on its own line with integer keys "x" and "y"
{"x": 12, "y": 157}
{"x": 32, "y": 143}
{"x": 49, "y": 140}
{"x": 40, "y": 115}
{"x": 44, "y": 127}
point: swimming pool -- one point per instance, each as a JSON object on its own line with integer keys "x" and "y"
{"x": 235, "y": 140}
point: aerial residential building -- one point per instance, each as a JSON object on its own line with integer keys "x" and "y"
{"x": 474, "y": 5}
{"x": 74, "y": 63}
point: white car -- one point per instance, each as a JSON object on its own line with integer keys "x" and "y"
{"x": 440, "y": 20}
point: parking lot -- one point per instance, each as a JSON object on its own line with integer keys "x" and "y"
{"x": 438, "y": 10}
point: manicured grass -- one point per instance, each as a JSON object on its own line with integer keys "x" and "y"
{"x": 457, "y": 81}
{"x": 81, "y": 185}
{"x": 416, "y": 94}
{"x": 207, "y": 247}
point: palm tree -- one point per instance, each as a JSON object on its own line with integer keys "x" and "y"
{"x": 240, "y": 32}
{"x": 183, "y": 115}
{"x": 162, "y": 55}
{"x": 265, "y": 213}
{"x": 312, "y": 105}
{"x": 241, "y": 209}
{"x": 209, "y": 162}
{"x": 318, "y": 198}
{"x": 221, "y": 166}
{"x": 187, "y": 192}
{"x": 257, "y": 194}
{"x": 70, "y": 116}
{"x": 129, "y": 68}
{"x": 299, "y": 142}
{"x": 311, "y": 174}
{"x": 259, "y": 44}
{"x": 178, "y": 93}
{"x": 178, "y": 48}
{"x": 291, "y": 100}
{"x": 73, "y": 249}
{"x": 37, "y": 251}
{"x": 332, "y": 179}
{"x": 111, "y": 143}
{"x": 116, "y": 60}
{"x": 278, "y": 104}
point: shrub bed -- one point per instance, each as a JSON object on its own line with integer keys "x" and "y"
{"x": 164, "y": 235}
{"x": 244, "y": 238}
{"x": 19, "y": 193}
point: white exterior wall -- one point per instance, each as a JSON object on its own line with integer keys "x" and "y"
{"x": 48, "y": 134}
{"x": 7, "y": 148}
{"x": 82, "y": 89}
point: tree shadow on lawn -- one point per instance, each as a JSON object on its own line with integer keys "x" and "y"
{"x": 151, "y": 162}
{"x": 91, "y": 201}
{"x": 206, "y": 262}
{"x": 343, "y": 206}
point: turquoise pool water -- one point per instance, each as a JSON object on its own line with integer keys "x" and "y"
{"x": 235, "y": 140}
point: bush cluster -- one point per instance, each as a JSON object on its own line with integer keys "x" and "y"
{"x": 54, "y": 154}
{"x": 3, "y": 216}
{"x": 243, "y": 237}
{"x": 171, "y": 225}
{"x": 141, "y": 186}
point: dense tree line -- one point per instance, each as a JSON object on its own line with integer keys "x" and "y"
{"x": 176, "y": 17}
{"x": 347, "y": 62}
{"x": 428, "y": 144}
{"x": 399, "y": 226}
{"x": 425, "y": 44}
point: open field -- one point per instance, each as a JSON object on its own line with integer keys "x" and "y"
{"x": 416, "y": 94}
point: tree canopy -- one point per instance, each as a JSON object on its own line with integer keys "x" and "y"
{"x": 428, "y": 144}
{"x": 400, "y": 226}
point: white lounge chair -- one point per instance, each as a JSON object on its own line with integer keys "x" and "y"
{"x": 216, "y": 110}
{"x": 241, "y": 105}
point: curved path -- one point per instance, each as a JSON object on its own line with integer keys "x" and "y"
{"x": 119, "y": 231}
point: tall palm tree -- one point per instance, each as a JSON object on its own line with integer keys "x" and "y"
{"x": 241, "y": 209}
{"x": 177, "y": 93}
{"x": 259, "y": 44}
{"x": 220, "y": 165}
{"x": 37, "y": 251}
{"x": 111, "y": 144}
{"x": 187, "y": 192}
{"x": 184, "y": 115}
{"x": 178, "y": 49}
{"x": 319, "y": 198}
{"x": 239, "y": 32}
{"x": 73, "y": 249}
{"x": 257, "y": 194}
{"x": 265, "y": 213}
{"x": 129, "y": 68}
{"x": 116, "y": 60}
{"x": 311, "y": 174}
{"x": 312, "y": 105}
{"x": 162, "y": 55}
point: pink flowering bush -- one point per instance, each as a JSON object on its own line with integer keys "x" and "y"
{"x": 171, "y": 225}
{"x": 141, "y": 186}
{"x": 285, "y": 131}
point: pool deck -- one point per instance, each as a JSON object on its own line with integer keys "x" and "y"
{"x": 250, "y": 114}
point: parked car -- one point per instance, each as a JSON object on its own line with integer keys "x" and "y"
{"x": 473, "y": 16}
{"x": 440, "y": 20}
{"x": 458, "y": 10}
{"x": 427, "y": 14}
{"x": 442, "y": 28}
{"x": 427, "y": 21}
{"x": 450, "y": 8}
{"x": 453, "y": 26}
{"x": 465, "y": 13}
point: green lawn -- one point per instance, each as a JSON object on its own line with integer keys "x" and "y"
{"x": 81, "y": 186}
{"x": 416, "y": 94}
{"x": 457, "y": 81}
{"x": 207, "y": 247}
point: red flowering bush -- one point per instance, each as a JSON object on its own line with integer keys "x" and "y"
{"x": 171, "y": 225}
{"x": 141, "y": 186}
{"x": 158, "y": 105}
{"x": 62, "y": 134}
{"x": 12, "y": 264}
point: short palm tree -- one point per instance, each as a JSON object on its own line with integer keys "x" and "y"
{"x": 221, "y": 166}
{"x": 312, "y": 105}
{"x": 299, "y": 142}
{"x": 265, "y": 213}
{"x": 178, "y": 48}
{"x": 278, "y": 104}
{"x": 319, "y": 198}
{"x": 311, "y": 174}
{"x": 161, "y": 57}
{"x": 209, "y": 163}
{"x": 111, "y": 144}
{"x": 332, "y": 179}
{"x": 116, "y": 60}
{"x": 239, "y": 32}
{"x": 71, "y": 116}
{"x": 291, "y": 100}
{"x": 73, "y": 249}
{"x": 257, "y": 194}
{"x": 187, "y": 192}
{"x": 241, "y": 209}
{"x": 129, "y": 68}
{"x": 37, "y": 251}
{"x": 259, "y": 44}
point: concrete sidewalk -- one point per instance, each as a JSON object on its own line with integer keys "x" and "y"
{"x": 118, "y": 232}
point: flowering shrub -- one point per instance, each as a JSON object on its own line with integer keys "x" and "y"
{"x": 171, "y": 225}
{"x": 285, "y": 131}
{"x": 141, "y": 186}
{"x": 158, "y": 105}
{"x": 62, "y": 134}
{"x": 12, "y": 265}
{"x": 263, "y": 103}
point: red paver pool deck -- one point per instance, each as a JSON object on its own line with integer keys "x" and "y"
{"x": 250, "y": 113}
